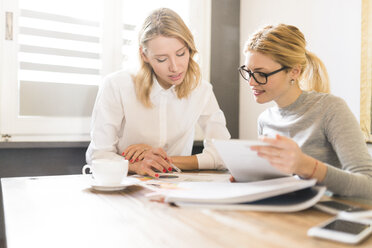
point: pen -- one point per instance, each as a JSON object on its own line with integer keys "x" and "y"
{"x": 176, "y": 168}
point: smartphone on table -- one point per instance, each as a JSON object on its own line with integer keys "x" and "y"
{"x": 342, "y": 230}
{"x": 335, "y": 207}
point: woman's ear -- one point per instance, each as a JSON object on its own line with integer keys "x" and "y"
{"x": 296, "y": 72}
{"x": 143, "y": 55}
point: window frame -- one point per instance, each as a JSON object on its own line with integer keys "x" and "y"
{"x": 39, "y": 129}
{"x": 26, "y": 128}
{"x": 366, "y": 70}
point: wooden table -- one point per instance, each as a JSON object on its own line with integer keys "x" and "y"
{"x": 62, "y": 211}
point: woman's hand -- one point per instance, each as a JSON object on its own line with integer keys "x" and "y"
{"x": 155, "y": 159}
{"x": 135, "y": 153}
{"x": 284, "y": 154}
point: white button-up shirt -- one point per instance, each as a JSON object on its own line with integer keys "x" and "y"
{"x": 119, "y": 119}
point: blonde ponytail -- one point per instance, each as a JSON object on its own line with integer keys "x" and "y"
{"x": 314, "y": 76}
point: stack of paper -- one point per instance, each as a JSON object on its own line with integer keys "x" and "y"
{"x": 285, "y": 194}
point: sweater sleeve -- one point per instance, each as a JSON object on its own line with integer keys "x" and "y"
{"x": 343, "y": 132}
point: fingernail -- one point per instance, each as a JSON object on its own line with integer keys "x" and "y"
{"x": 123, "y": 154}
{"x": 156, "y": 175}
{"x": 136, "y": 159}
{"x": 166, "y": 158}
{"x": 170, "y": 169}
{"x": 131, "y": 161}
{"x": 164, "y": 170}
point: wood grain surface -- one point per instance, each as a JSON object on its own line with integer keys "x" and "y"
{"x": 63, "y": 211}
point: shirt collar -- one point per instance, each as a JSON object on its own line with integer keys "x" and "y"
{"x": 157, "y": 89}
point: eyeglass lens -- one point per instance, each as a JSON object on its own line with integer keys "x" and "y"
{"x": 259, "y": 77}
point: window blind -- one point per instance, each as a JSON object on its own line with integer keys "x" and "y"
{"x": 59, "y": 64}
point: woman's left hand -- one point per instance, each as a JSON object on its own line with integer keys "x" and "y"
{"x": 135, "y": 153}
{"x": 156, "y": 160}
{"x": 282, "y": 153}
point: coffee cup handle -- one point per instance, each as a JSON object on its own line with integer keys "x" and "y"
{"x": 85, "y": 167}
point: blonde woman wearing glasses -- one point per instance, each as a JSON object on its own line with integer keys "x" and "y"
{"x": 149, "y": 117}
{"x": 310, "y": 132}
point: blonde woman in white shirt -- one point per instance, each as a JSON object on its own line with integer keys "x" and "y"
{"x": 149, "y": 118}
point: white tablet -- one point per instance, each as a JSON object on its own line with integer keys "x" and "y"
{"x": 243, "y": 163}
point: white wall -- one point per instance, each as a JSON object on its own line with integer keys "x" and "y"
{"x": 332, "y": 29}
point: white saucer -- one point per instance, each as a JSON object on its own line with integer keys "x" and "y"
{"x": 115, "y": 187}
{"x": 109, "y": 187}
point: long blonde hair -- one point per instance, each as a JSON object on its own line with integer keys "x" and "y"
{"x": 167, "y": 23}
{"x": 286, "y": 45}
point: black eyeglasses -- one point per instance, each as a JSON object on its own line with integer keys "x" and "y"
{"x": 259, "y": 77}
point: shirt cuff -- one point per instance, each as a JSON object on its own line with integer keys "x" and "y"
{"x": 206, "y": 161}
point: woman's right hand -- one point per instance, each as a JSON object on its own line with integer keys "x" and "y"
{"x": 136, "y": 152}
{"x": 155, "y": 160}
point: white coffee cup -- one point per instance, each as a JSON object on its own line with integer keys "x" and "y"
{"x": 107, "y": 172}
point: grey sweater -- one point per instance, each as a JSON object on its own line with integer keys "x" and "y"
{"x": 325, "y": 128}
